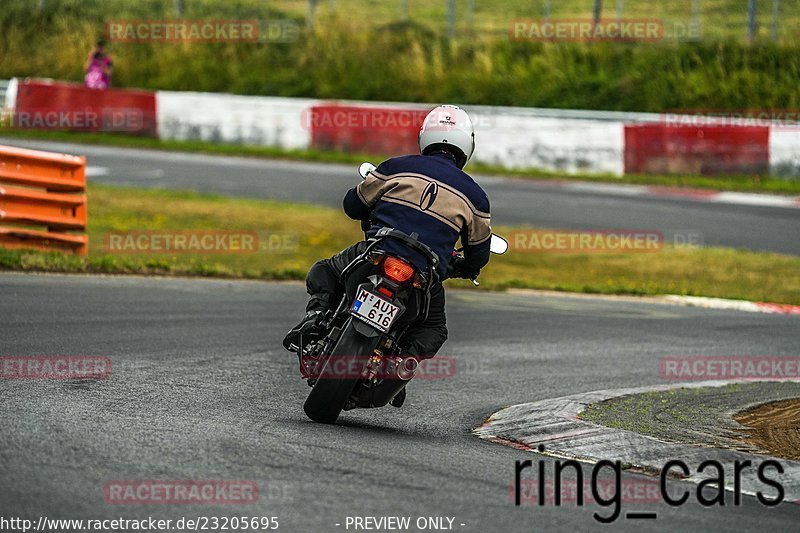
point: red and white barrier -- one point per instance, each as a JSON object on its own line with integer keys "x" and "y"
{"x": 52, "y": 105}
{"x": 574, "y": 142}
{"x": 228, "y": 118}
{"x": 364, "y": 129}
{"x": 706, "y": 150}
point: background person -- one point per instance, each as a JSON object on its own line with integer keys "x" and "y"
{"x": 98, "y": 68}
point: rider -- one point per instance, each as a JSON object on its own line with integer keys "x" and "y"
{"x": 427, "y": 194}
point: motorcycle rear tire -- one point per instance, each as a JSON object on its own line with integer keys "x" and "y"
{"x": 329, "y": 394}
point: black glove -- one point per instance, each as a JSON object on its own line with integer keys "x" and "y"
{"x": 457, "y": 269}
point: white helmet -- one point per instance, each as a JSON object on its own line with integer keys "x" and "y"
{"x": 448, "y": 128}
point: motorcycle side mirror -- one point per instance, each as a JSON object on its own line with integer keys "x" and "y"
{"x": 498, "y": 245}
{"x": 365, "y": 168}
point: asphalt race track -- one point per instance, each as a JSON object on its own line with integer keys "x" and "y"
{"x": 514, "y": 202}
{"x": 200, "y": 389}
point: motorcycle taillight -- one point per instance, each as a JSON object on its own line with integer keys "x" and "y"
{"x": 397, "y": 269}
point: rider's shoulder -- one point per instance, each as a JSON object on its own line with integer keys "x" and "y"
{"x": 403, "y": 163}
{"x": 431, "y": 166}
{"x": 440, "y": 170}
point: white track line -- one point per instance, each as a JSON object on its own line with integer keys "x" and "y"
{"x": 696, "y": 195}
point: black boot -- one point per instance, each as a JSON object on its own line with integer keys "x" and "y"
{"x": 399, "y": 398}
{"x": 310, "y": 329}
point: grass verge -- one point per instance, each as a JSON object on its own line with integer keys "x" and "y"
{"x": 700, "y": 416}
{"x": 764, "y": 184}
{"x": 316, "y": 232}
{"x": 334, "y": 56}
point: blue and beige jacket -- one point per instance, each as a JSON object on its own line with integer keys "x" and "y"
{"x": 431, "y": 196}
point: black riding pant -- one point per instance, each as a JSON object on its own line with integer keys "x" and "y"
{"x": 326, "y": 289}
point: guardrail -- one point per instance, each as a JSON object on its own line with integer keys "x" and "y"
{"x": 46, "y": 200}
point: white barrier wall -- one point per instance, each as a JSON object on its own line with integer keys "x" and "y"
{"x": 784, "y": 152}
{"x": 10, "y": 96}
{"x": 256, "y": 120}
{"x": 565, "y": 145}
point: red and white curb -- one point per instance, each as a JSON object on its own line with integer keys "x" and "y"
{"x": 725, "y": 197}
{"x": 683, "y": 193}
{"x": 554, "y": 424}
{"x": 674, "y": 299}
{"x": 735, "y": 305}
{"x": 768, "y": 200}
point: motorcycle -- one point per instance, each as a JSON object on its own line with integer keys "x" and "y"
{"x": 357, "y": 362}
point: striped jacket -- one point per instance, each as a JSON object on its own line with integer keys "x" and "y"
{"x": 431, "y": 196}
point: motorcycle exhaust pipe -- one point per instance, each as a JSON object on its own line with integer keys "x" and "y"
{"x": 398, "y": 372}
{"x": 404, "y": 368}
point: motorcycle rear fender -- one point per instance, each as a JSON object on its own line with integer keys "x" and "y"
{"x": 365, "y": 329}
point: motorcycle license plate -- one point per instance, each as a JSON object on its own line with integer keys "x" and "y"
{"x": 374, "y": 310}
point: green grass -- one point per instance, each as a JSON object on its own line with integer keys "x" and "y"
{"x": 319, "y": 232}
{"x": 718, "y": 18}
{"x": 663, "y": 414}
{"x": 766, "y": 184}
{"x": 338, "y": 58}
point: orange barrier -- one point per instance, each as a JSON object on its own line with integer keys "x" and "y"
{"x": 49, "y": 190}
